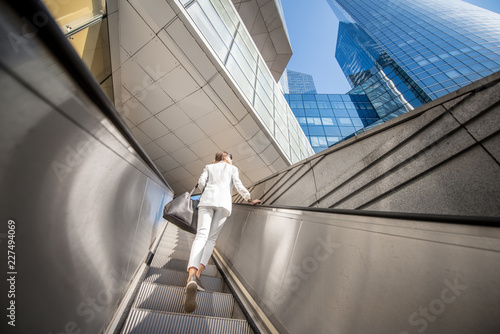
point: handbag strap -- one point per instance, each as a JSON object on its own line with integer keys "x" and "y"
{"x": 196, "y": 186}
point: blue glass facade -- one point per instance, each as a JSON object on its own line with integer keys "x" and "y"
{"x": 356, "y": 52}
{"x": 328, "y": 118}
{"x": 297, "y": 83}
{"x": 441, "y": 45}
{"x": 371, "y": 71}
{"x": 398, "y": 55}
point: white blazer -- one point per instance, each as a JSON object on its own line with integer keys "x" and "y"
{"x": 217, "y": 182}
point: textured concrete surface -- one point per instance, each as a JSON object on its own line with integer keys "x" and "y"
{"x": 492, "y": 146}
{"x": 441, "y": 158}
{"x": 469, "y": 184}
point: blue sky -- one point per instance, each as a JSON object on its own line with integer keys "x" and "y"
{"x": 312, "y": 28}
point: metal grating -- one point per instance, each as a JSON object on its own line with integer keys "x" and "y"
{"x": 179, "y": 278}
{"x": 171, "y": 299}
{"x": 166, "y": 262}
{"x": 150, "y": 322}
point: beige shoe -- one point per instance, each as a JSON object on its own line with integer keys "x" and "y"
{"x": 200, "y": 286}
{"x": 190, "y": 297}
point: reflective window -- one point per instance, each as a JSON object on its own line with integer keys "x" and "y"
{"x": 347, "y": 130}
{"x": 73, "y": 14}
{"x": 316, "y": 130}
{"x": 86, "y": 27}
{"x": 310, "y": 104}
{"x": 92, "y": 46}
{"x": 209, "y": 31}
{"x": 220, "y": 24}
{"x": 430, "y": 41}
{"x": 238, "y": 75}
{"x": 328, "y": 121}
{"x": 344, "y": 121}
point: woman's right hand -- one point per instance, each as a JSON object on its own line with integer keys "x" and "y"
{"x": 256, "y": 201}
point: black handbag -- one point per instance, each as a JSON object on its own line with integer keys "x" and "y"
{"x": 182, "y": 212}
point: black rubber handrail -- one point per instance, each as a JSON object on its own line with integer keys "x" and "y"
{"x": 53, "y": 38}
{"x": 450, "y": 219}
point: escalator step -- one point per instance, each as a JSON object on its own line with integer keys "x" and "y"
{"x": 173, "y": 253}
{"x": 173, "y": 246}
{"x": 151, "y": 322}
{"x": 172, "y": 229}
{"x": 171, "y": 299}
{"x": 177, "y": 238}
{"x": 166, "y": 262}
{"x": 179, "y": 278}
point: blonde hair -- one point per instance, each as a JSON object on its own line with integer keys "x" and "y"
{"x": 220, "y": 156}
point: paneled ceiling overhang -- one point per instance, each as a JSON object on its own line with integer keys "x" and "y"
{"x": 177, "y": 98}
{"x": 265, "y": 21}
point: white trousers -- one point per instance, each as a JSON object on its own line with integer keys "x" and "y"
{"x": 210, "y": 222}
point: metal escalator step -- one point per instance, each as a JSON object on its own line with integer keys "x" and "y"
{"x": 179, "y": 278}
{"x": 173, "y": 253}
{"x": 172, "y": 229}
{"x": 178, "y": 242}
{"x": 177, "y": 237}
{"x": 163, "y": 247}
{"x": 176, "y": 246}
{"x": 166, "y": 262}
{"x": 171, "y": 299}
{"x": 152, "y": 322}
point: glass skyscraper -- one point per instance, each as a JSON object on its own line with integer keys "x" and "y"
{"x": 396, "y": 55}
{"x": 329, "y": 118}
{"x": 440, "y": 45}
{"x": 371, "y": 71}
{"x": 326, "y": 118}
{"x": 297, "y": 83}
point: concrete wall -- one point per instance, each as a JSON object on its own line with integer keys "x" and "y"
{"x": 442, "y": 158}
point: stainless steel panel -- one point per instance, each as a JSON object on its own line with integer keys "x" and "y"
{"x": 232, "y": 232}
{"x": 264, "y": 247}
{"x": 150, "y": 221}
{"x": 86, "y": 209}
{"x": 354, "y": 274}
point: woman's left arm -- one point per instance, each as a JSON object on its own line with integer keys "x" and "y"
{"x": 238, "y": 185}
{"x": 241, "y": 188}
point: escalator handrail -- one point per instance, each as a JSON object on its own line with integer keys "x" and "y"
{"x": 55, "y": 41}
{"x": 438, "y": 218}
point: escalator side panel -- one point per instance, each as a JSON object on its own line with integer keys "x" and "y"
{"x": 83, "y": 203}
{"x": 332, "y": 273}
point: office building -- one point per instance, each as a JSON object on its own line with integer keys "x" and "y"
{"x": 294, "y": 82}
{"x": 402, "y": 54}
{"x": 327, "y": 119}
{"x": 191, "y": 78}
